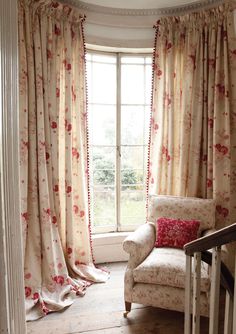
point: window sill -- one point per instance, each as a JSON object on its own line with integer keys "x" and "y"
{"x": 107, "y": 247}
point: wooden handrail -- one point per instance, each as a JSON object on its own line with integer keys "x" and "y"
{"x": 220, "y": 276}
{"x": 216, "y": 239}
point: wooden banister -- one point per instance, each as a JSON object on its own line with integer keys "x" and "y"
{"x": 216, "y": 239}
{"x": 226, "y": 278}
{"x": 220, "y": 275}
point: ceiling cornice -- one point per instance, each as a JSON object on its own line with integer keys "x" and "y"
{"x": 143, "y": 12}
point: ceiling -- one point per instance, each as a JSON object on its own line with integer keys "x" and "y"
{"x": 141, "y": 4}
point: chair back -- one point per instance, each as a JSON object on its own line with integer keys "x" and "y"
{"x": 186, "y": 208}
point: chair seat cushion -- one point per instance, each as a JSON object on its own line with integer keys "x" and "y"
{"x": 166, "y": 266}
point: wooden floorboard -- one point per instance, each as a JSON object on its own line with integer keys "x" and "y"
{"x": 100, "y": 311}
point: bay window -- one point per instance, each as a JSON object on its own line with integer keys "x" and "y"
{"x": 119, "y": 94}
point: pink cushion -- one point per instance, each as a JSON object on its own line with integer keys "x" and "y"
{"x": 175, "y": 232}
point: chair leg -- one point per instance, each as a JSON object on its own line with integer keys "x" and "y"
{"x": 127, "y": 309}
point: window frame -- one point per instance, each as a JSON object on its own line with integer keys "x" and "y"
{"x": 118, "y": 145}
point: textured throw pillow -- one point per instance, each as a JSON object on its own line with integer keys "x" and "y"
{"x": 175, "y": 232}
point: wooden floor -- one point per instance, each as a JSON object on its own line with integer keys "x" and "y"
{"x": 100, "y": 311}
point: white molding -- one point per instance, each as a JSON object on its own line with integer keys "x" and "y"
{"x": 127, "y": 27}
{"x": 12, "y": 306}
{"x": 114, "y": 49}
{"x": 143, "y": 12}
{"x": 119, "y": 43}
{"x": 108, "y": 247}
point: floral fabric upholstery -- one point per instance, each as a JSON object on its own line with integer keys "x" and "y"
{"x": 185, "y": 208}
{"x": 165, "y": 297}
{"x": 139, "y": 245}
{"x": 156, "y": 276}
{"x": 175, "y": 232}
{"x": 166, "y": 266}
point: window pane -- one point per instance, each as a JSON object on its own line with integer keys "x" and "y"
{"x": 139, "y": 187}
{"x": 104, "y": 203}
{"x": 104, "y": 177}
{"x": 135, "y": 117}
{"x": 132, "y": 84}
{"x": 104, "y": 222}
{"x": 102, "y": 121}
{"x": 104, "y": 207}
{"x": 131, "y": 176}
{"x": 145, "y": 158}
{"x": 104, "y": 58}
{"x": 132, "y": 60}
{"x": 147, "y": 124}
{"x": 126, "y": 221}
{"x": 148, "y": 84}
{"x": 89, "y": 79}
{"x": 103, "y": 157}
{"x": 88, "y": 57}
{"x": 132, "y": 157}
{"x": 132, "y": 125}
{"x": 148, "y": 60}
{"x": 132, "y": 204}
{"x": 103, "y": 83}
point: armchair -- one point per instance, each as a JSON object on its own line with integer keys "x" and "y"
{"x": 156, "y": 276}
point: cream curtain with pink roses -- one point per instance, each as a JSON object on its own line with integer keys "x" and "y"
{"x": 54, "y": 157}
{"x": 193, "y": 123}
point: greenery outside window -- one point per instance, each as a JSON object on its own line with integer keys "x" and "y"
{"x": 119, "y": 95}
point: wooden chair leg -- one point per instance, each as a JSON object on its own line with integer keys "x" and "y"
{"x": 127, "y": 309}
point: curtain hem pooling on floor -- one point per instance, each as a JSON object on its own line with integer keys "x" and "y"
{"x": 53, "y": 157}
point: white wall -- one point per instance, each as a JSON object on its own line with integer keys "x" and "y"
{"x": 109, "y": 247}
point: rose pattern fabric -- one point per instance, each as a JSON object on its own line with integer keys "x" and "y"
{"x": 193, "y": 122}
{"x": 165, "y": 297}
{"x": 147, "y": 283}
{"x": 139, "y": 245}
{"x": 175, "y": 232}
{"x": 160, "y": 272}
{"x": 163, "y": 266}
{"x": 177, "y": 207}
{"x": 53, "y": 157}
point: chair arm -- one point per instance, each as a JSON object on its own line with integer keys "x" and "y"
{"x": 140, "y": 243}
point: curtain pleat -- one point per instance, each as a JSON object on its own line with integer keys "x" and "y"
{"x": 54, "y": 157}
{"x": 193, "y": 124}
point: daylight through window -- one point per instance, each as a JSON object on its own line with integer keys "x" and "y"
{"x": 119, "y": 94}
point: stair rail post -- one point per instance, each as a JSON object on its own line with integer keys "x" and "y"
{"x": 196, "y": 293}
{"x": 234, "y": 311}
{"x": 188, "y": 295}
{"x": 215, "y": 290}
{"x": 228, "y": 322}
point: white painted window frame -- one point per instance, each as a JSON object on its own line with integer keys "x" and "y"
{"x": 118, "y": 55}
{"x": 12, "y": 306}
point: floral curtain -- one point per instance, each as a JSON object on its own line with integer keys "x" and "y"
{"x": 54, "y": 157}
{"x": 193, "y": 122}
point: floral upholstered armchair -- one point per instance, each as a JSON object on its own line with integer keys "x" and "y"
{"x": 156, "y": 276}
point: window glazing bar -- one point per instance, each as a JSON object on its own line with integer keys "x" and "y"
{"x": 118, "y": 141}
